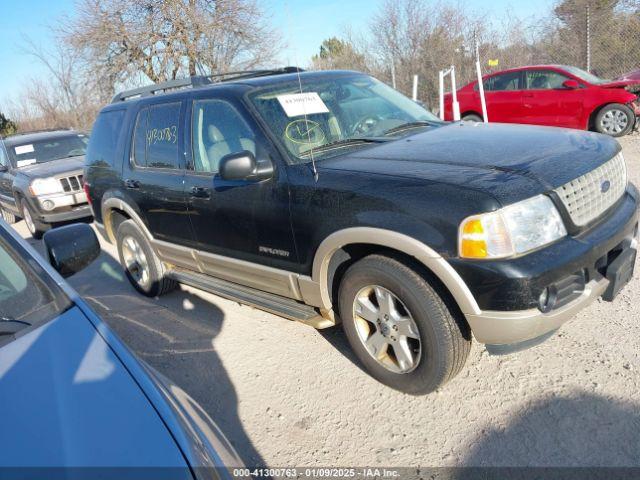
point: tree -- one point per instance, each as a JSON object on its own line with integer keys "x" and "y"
{"x": 124, "y": 40}
{"x": 336, "y": 53}
{"x": 7, "y": 127}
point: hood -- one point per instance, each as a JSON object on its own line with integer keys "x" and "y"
{"x": 510, "y": 162}
{"x": 61, "y": 386}
{"x": 622, "y": 83}
{"x": 55, "y": 167}
{"x": 633, "y": 77}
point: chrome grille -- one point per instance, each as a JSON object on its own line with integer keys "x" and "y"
{"x": 72, "y": 183}
{"x": 589, "y": 196}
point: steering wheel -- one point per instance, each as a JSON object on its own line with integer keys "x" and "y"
{"x": 365, "y": 125}
{"x": 305, "y": 132}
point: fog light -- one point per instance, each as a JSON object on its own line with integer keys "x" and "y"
{"x": 48, "y": 205}
{"x": 547, "y": 300}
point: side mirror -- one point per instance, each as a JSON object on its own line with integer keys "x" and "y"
{"x": 71, "y": 248}
{"x": 571, "y": 84}
{"x": 243, "y": 166}
{"x": 3, "y": 168}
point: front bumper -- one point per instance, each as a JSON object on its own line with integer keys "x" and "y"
{"x": 502, "y": 328}
{"x": 62, "y": 207}
{"x": 507, "y": 291}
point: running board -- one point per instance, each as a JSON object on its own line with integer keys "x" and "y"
{"x": 276, "y": 304}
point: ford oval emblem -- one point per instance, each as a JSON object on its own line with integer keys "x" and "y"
{"x": 605, "y": 186}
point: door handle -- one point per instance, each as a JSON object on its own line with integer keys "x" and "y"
{"x": 200, "y": 192}
{"x": 132, "y": 183}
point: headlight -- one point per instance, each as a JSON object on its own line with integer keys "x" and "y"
{"x": 45, "y": 186}
{"x": 512, "y": 230}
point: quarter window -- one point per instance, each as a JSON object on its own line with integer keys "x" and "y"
{"x": 218, "y": 130}
{"x": 545, "y": 80}
{"x": 104, "y": 138}
{"x": 155, "y": 141}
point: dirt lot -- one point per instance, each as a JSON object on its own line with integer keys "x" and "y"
{"x": 287, "y": 395}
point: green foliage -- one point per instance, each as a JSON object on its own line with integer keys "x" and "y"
{"x": 338, "y": 53}
{"x": 7, "y": 127}
{"x": 333, "y": 47}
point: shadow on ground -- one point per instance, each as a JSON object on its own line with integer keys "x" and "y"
{"x": 175, "y": 335}
{"x": 574, "y": 431}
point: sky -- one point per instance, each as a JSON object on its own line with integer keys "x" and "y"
{"x": 303, "y": 23}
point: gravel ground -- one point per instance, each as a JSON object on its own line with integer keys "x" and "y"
{"x": 287, "y": 395}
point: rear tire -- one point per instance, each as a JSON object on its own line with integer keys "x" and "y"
{"x": 417, "y": 343}
{"x": 35, "y": 227}
{"x": 143, "y": 268}
{"x": 615, "y": 120}
{"x": 472, "y": 117}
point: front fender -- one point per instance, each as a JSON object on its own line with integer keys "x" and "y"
{"x": 396, "y": 241}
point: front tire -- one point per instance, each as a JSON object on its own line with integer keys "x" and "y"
{"x": 7, "y": 216}
{"x": 472, "y": 117}
{"x": 140, "y": 263}
{"x": 399, "y": 327}
{"x": 615, "y": 120}
{"x": 35, "y": 227}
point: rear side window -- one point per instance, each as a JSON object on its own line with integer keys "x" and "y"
{"x": 105, "y": 136}
{"x": 155, "y": 142}
{"x": 505, "y": 81}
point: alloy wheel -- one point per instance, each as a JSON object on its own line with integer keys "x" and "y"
{"x": 387, "y": 329}
{"x": 135, "y": 261}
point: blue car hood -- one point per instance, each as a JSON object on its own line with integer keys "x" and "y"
{"x": 67, "y": 400}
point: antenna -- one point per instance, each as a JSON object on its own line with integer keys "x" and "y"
{"x": 306, "y": 120}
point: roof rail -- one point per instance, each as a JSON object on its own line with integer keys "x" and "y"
{"x": 199, "y": 81}
{"x": 42, "y": 130}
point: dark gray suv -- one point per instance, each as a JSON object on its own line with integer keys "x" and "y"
{"x": 41, "y": 179}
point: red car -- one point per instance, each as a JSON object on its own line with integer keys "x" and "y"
{"x": 554, "y": 95}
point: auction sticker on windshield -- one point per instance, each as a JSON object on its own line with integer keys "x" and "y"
{"x": 24, "y": 163}
{"x": 22, "y": 149}
{"x": 298, "y": 104}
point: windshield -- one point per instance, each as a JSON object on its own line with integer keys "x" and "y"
{"x": 26, "y": 298}
{"x": 335, "y": 114}
{"x": 586, "y": 76}
{"x": 48, "y": 150}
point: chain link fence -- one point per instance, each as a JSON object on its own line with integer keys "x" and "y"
{"x": 600, "y": 36}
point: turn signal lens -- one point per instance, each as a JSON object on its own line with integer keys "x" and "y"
{"x": 485, "y": 236}
{"x": 473, "y": 244}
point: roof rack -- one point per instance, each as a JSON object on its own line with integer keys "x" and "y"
{"x": 199, "y": 81}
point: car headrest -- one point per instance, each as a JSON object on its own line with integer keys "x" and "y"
{"x": 215, "y": 135}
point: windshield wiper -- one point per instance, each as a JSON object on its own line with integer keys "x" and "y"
{"x": 408, "y": 125}
{"x": 9, "y": 326}
{"x": 345, "y": 142}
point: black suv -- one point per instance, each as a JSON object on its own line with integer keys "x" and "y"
{"x": 329, "y": 196}
{"x": 41, "y": 178}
